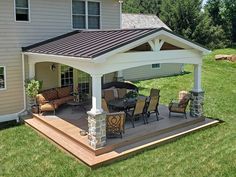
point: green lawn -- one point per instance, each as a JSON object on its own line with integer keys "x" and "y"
{"x": 210, "y": 152}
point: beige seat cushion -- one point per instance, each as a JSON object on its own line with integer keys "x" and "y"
{"x": 47, "y": 107}
{"x": 50, "y": 95}
{"x": 63, "y": 100}
{"x": 40, "y": 99}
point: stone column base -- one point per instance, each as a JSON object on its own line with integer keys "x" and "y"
{"x": 97, "y": 130}
{"x": 196, "y": 104}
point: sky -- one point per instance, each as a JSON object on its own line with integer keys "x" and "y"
{"x": 204, "y": 2}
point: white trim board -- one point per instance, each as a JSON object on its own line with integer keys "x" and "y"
{"x": 159, "y": 34}
{"x": 9, "y": 117}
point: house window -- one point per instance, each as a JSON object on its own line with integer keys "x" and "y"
{"x": 2, "y": 77}
{"x": 85, "y": 14}
{"x": 66, "y": 76}
{"x": 22, "y": 10}
{"x": 93, "y": 15}
{"x": 157, "y": 65}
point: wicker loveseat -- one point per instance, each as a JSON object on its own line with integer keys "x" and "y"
{"x": 50, "y": 100}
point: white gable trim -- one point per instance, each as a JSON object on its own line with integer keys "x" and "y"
{"x": 148, "y": 38}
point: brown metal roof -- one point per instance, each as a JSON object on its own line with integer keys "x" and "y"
{"x": 88, "y": 44}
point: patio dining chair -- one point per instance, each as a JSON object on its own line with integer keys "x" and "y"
{"x": 115, "y": 124}
{"x": 109, "y": 95}
{"x": 152, "y": 107}
{"x": 154, "y": 92}
{"x": 137, "y": 111}
{"x": 180, "y": 105}
{"x": 104, "y": 106}
{"x": 122, "y": 92}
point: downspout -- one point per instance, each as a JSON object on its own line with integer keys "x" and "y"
{"x": 120, "y": 2}
{"x": 23, "y": 85}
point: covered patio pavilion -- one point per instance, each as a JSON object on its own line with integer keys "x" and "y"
{"x": 101, "y": 52}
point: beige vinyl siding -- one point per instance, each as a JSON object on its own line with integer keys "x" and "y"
{"x": 44, "y": 73}
{"x": 147, "y": 72}
{"x": 48, "y": 18}
{"x": 110, "y": 14}
{"x": 110, "y": 77}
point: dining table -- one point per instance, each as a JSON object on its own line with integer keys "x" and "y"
{"x": 123, "y": 104}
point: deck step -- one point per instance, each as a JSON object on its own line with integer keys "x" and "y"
{"x": 66, "y": 143}
{"x": 72, "y": 136}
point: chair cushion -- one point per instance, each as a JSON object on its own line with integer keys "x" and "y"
{"x": 47, "y": 107}
{"x": 153, "y": 103}
{"x": 175, "y": 108}
{"x": 61, "y": 101}
{"x": 40, "y": 99}
{"x": 110, "y": 94}
{"x": 63, "y": 92}
{"x": 184, "y": 100}
{"x": 122, "y": 92}
{"x": 50, "y": 95}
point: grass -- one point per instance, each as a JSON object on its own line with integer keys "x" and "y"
{"x": 210, "y": 152}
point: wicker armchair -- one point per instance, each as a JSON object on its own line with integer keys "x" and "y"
{"x": 115, "y": 124}
{"x": 152, "y": 107}
{"x": 180, "y": 106}
{"x": 138, "y": 111}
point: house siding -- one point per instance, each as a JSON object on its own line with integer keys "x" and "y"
{"x": 48, "y": 18}
{"x": 49, "y": 78}
{"x": 147, "y": 72}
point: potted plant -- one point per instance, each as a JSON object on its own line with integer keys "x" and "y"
{"x": 32, "y": 87}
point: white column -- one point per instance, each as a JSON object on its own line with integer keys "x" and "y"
{"x": 197, "y": 78}
{"x": 31, "y": 69}
{"x": 96, "y": 94}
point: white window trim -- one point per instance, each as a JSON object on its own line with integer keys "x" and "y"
{"x": 86, "y": 15}
{"x": 29, "y": 20}
{"x": 155, "y": 67}
{"x": 5, "y": 78}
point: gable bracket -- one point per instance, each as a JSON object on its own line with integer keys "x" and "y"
{"x": 156, "y": 44}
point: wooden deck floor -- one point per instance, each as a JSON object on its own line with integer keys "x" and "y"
{"x": 64, "y": 129}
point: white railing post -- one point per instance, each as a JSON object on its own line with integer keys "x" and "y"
{"x": 96, "y": 94}
{"x": 96, "y": 117}
{"x": 197, "y": 98}
{"x": 197, "y": 78}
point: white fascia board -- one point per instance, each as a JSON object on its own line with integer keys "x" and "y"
{"x": 39, "y": 55}
{"x": 86, "y": 65}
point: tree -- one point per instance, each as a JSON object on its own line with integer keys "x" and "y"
{"x": 223, "y": 13}
{"x": 229, "y": 15}
{"x": 187, "y": 18}
{"x": 182, "y": 16}
{"x": 208, "y": 34}
{"x": 214, "y": 8}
